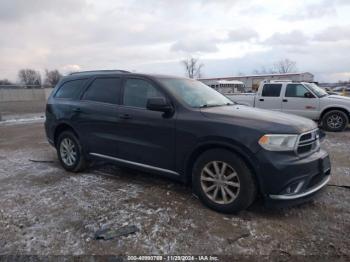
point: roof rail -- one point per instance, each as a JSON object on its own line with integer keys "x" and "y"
{"x": 99, "y": 71}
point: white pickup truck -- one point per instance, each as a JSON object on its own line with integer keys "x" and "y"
{"x": 301, "y": 98}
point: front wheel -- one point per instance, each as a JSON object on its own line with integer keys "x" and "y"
{"x": 223, "y": 182}
{"x": 70, "y": 153}
{"x": 335, "y": 121}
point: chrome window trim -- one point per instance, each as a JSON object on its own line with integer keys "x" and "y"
{"x": 136, "y": 163}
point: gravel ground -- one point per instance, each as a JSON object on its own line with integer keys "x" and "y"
{"x": 47, "y": 211}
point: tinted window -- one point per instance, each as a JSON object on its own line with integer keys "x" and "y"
{"x": 137, "y": 92}
{"x": 296, "y": 90}
{"x": 103, "y": 90}
{"x": 273, "y": 90}
{"x": 70, "y": 89}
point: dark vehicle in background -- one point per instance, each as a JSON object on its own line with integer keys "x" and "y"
{"x": 185, "y": 130}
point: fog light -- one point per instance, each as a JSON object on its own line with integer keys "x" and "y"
{"x": 294, "y": 188}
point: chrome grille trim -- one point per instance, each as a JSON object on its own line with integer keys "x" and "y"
{"x": 314, "y": 142}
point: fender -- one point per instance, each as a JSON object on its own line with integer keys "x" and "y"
{"x": 215, "y": 142}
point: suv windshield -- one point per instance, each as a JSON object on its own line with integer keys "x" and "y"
{"x": 316, "y": 89}
{"x": 194, "y": 93}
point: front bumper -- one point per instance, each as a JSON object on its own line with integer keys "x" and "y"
{"x": 306, "y": 193}
{"x": 287, "y": 179}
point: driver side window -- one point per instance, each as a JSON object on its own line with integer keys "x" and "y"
{"x": 138, "y": 91}
{"x": 297, "y": 90}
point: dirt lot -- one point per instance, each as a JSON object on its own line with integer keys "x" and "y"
{"x": 47, "y": 211}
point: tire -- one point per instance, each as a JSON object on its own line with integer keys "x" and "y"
{"x": 335, "y": 121}
{"x": 242, "y": 183}
{"x": 76, "y": 162}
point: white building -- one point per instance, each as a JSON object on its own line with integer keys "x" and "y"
{"x": 252, "y": 82}
{"x": 225, "y": 86}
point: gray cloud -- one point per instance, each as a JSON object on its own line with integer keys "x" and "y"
{"x": 207, "y": 41}
{"x": 194, "y": 44}
{"x": 294, "y": 37}
{"x": 242, "y": 34}
{"x": 154, "y": 35}
{"x": 313, "y": 11}
{"x": 334, "y": 34}
{"x": 14, "y": 10}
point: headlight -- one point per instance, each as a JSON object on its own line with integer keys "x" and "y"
{"x": 278, "y": 142}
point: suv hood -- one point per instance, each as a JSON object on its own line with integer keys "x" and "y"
{"x": 266, "y": 121}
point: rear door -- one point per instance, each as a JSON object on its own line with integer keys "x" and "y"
{"x": 300, "y": 101}
{"x": 97, "y": 115}
{"x": 270, "y": 97}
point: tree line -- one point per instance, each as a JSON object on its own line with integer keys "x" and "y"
{"x": 193, "y": 67}
{"x": 31, "y": 78}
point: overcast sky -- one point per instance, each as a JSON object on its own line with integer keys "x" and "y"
{"x": 229, "y": 36}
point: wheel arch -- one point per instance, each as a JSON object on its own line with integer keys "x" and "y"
{"x": 333, "y": 108}
{"x": 63, "y": 127}
{"x": 239, "y": 150}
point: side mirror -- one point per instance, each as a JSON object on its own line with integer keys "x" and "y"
{"x": 308, "y": 95}
{"x": 158, "y": 104}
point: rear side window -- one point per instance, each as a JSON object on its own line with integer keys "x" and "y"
{"x": 103, "y": 90}
{"x": 137, "y": 92}
{"x": 70, "y": 89}
{"x": 296, "y": 90}
{"x": 272, "y": 90}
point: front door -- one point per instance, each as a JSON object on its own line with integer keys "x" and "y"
{"x": 145, "y": 137}
{"x": 300, "y": 101}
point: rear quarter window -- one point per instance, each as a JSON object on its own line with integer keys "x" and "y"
{"x": 70, "y": 89}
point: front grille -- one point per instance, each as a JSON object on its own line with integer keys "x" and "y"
{"x": 308, "y": 142}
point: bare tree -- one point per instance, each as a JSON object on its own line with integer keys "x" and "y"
{"x": 285, "y": 66}
{"x": 5, "y": 82}
{"x": 52, "y": 77}
{"x": 282, "y": 66}
{"x": 193, "y": 67}
{"x": 264, "y": 71}
{"x": 30, "y": 78}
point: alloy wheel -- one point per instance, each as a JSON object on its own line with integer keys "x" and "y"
{"x": 68, "y": 151}
{"x": 335, "y": 121}
{"x": 220, "y": 182}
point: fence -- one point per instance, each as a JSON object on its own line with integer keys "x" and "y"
{"x": 24, "y": 94}
{"x": 20, "y": 101}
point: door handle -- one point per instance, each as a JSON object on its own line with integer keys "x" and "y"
{"x": 261, "y": 99}
{"x": 77, "y": 110}
{"x": 285, "y": 100}
{"x": 125, "y": 116}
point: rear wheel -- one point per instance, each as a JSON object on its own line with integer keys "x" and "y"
{"x": 70, "y": 153}
{"x": 223, "y": 181}
{"x": 335, "y": 121}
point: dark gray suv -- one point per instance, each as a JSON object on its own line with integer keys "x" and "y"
{"x": 185, "y": 130}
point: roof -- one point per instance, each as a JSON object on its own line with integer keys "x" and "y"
{"x": 98, "y": 72}
{"x": 262, "y": 75}
{"x": 83, "y": 74}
